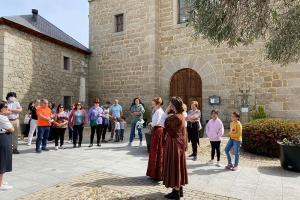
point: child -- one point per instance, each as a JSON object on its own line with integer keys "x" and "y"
{"x": 234, "y": 141}
{"x": 215, "y": 130}
{"x": 117, "y": 129}
{"x": 122, "y": 126}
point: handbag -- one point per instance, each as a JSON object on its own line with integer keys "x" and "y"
{"x": 94, "y": 122}
{"x": 26, "y": 119}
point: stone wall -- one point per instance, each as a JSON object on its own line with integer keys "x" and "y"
{"x": 224, "y": 70}
{"x": 33, "y": 68}
{"x": 142, "y": 60}
{"x": 123, "y": 65}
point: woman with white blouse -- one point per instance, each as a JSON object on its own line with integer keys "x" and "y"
{"x": 156, "y": 153}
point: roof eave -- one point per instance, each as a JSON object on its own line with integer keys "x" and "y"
{"x": 25, "y": 29}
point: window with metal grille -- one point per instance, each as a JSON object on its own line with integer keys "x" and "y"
{"x": 119, "y": 23}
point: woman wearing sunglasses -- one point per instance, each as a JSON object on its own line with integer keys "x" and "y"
{"x": 78, "y": 121}
{"x": 60, "y": 124}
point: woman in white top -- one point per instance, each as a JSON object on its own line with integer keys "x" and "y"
{"x": 157, "y": 149}
{"x": 5, "y": 145}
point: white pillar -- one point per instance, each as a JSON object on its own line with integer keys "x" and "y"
{"x": 82, "y": 89}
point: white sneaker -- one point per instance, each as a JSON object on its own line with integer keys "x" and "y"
{"x": 140, "y": 145}
{"x": 210, "y": 162}
{"x": 218, "y": 164}
{"x": 70, "y": 141}
{"x": 56, "y": 148}
{"x": 62, "y": 147}
{"x": 5, "y": 187}
{"x": 128, "y": 145}
{"x": 5, "y": 183}
{"x": 28, "y": 144}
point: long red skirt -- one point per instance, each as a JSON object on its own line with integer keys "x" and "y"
{"x": 156, "y": 154}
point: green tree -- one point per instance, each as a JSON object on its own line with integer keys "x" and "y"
{"x": 237, "y": 22}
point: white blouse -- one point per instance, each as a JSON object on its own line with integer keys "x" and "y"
{"x": 157, "y": 118}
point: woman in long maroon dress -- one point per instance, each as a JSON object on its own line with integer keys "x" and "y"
{"x": 156, "y": 154}
{"x": 175, "y": 169}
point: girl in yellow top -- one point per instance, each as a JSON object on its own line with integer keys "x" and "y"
{"x": 235, "y": 141}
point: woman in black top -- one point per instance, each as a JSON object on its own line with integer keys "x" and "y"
{"x": 27, "y": 129}
{"x": 33, "y": 121}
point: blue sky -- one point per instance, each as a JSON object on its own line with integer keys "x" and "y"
{"x": 71, "y": 16}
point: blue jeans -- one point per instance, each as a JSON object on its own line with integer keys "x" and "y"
{"x": 43, "y": 134}
{"x": 132, "y": 132}
{"x": 236, "y": 146}
{"x": 71, "y": 133}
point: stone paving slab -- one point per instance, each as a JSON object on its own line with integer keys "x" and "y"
{"x": 37, "y": 172}
{"x": 83, "y": 187}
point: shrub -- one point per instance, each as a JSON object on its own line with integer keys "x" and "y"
{"x": 260, "y": 136}
{"x": 258, "y": 113}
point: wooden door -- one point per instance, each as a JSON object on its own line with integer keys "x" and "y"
{"x": 187, "y": 84}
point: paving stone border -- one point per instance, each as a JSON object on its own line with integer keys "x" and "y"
{"x": 101, "y": 185}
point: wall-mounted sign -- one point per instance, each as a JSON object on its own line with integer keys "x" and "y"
{"x": 214, "y": 100}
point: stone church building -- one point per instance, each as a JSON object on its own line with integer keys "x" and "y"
{"x": 38, "y": 60}
{"x": 143, "y": 48}
{"x": 140, "y": 48}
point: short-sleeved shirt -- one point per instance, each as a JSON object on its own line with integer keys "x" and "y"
{"x": 4, "y": 123}
{"x": 105, "y": 109}
{"x": 116, "y": 110}
{"x": 122, "y": 124}
{"x": 46, "y": 112}
{"x": 13, "y": 105}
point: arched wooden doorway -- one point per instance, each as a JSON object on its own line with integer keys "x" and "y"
{"x": 187, "y": 84}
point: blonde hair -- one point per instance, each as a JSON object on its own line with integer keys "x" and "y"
{"x": 195, "y": 102}
{"x": 158, "y": 100}
{"x": 184, "y": 107}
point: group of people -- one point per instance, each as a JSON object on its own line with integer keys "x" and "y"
{"x": 172, "y": 129}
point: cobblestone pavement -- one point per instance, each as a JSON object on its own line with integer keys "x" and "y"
{"x": 101, "y": 185}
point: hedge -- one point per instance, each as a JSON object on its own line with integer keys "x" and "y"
{"x": 260, "y": 136}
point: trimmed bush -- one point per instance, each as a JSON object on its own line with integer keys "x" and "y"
{"x": 258, "y": 113}
{"x": 260, "y": 136}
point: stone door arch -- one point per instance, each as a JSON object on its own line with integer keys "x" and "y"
{"x": 187, "y": 84}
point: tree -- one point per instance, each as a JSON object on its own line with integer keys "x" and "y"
{"x": 238, "y": 22}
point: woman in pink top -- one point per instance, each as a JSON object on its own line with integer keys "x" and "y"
{"x": 215, "y": 130}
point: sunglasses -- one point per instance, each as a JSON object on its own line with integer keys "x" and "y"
{"x": 79, "y": 104}
{"x": 4, "y": 106}
{"x": 61, "y": 107}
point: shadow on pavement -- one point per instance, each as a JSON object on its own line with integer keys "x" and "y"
{"x": 277, "y": 171}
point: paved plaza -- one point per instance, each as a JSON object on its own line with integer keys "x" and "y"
{"x": 82, "y": 172}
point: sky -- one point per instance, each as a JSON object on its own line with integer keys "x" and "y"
{"x": 71, "y": 16}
